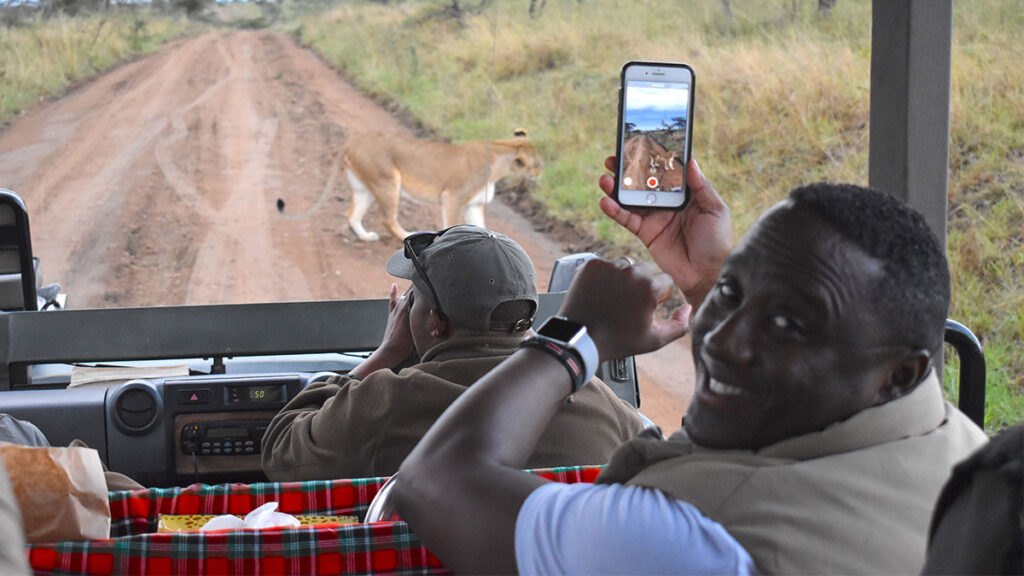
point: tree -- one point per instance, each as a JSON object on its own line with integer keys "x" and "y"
{"x": 455, "y": 9}
{"x": 191, "y": 7}
{"x": 536, "y": 9}
{"x": 727, "y": 8}
{"x": 71, "y": 7}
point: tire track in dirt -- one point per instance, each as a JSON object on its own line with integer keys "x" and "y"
{"x": 156, "y": 184}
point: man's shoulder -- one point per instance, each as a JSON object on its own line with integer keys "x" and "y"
{"x": 472, "y": 347}
{"x": 960, "y": 434}
{"x": 463, "y": 362}
{"x": 341, "y": 389}
{"x": 21, "y": 432}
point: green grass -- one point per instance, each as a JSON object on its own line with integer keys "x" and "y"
{"x": 782, "y": 99}
{"x": 40, "y": 58}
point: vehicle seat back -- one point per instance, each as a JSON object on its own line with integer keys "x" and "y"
{"x": 978, "y": 523}
{"x": 18, "y": 269}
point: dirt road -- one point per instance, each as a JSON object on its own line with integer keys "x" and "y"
{"x": 157, "y": 184}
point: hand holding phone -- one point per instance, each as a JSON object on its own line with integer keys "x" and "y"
{"x": 654, "y": 133}
{"x": 689, "y": 245}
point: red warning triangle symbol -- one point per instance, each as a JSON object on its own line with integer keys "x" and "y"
{"x": 193, "y": 398}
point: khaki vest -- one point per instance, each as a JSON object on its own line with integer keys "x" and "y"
{"x": 855, "y": 498}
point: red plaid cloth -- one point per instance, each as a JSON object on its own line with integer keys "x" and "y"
{"x": 135, "y": 548}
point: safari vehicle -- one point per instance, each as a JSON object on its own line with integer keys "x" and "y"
{"x": 202, "y": 382}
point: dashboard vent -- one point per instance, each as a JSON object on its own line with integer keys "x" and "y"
{"x": 137, "y": 407}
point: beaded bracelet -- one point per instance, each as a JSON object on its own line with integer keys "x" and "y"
{"x": 566, "y": 357}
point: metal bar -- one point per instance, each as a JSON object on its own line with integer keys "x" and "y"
{"x": 188, "y": 332}
{"x": 972, "y": 370}
{"x": 911, "y": 49}
{"x": 178, "y": 332}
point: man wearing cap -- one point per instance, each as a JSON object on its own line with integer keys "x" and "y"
{"x": 470, "y": 305}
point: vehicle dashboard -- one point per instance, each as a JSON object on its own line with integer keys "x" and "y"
{"x": 168, "y": 431}
{"x": 239, "y": 364}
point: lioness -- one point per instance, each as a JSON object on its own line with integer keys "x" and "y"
{"x": 381, "y": 167}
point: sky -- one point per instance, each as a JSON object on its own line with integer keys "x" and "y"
{"x": 647, "y": 106}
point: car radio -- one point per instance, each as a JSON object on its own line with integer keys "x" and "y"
{"x": 235, "y": 438}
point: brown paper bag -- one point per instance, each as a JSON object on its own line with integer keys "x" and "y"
{"x": 61, "y": 492}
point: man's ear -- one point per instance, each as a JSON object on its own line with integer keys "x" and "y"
{"x": 438, "y": 324}
{"x": 905, "y": 373}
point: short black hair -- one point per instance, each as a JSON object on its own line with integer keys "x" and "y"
{"x": 913, "y": 296}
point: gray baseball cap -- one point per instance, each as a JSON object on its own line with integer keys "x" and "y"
{"x": 473, "y": 270}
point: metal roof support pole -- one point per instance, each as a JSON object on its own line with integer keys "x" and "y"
{"x": 911, "y": 51}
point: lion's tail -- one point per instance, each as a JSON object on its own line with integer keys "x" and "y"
{"x": 332, "y": 178}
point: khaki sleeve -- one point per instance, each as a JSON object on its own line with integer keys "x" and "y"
{"x": 629, "y": 419}
{"x": 327, "y": 431}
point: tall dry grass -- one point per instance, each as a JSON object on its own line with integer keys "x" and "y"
{"x": 42, "y": 57}
{"x": 782, "y": 99}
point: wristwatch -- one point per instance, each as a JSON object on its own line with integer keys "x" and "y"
{"x": 573, "y": 337}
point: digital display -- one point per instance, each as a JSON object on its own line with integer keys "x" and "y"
{"x": 269, "y": 393}
{"x": 259, "y": 393}
{"x": 559, "y": 329}
{"x": 219, "y": 432}
{"x": 656, "y": 117}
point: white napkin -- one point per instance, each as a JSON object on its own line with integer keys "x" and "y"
{"x": 265, "y": 516}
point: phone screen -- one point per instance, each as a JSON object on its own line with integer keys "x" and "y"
{"x": 654, "y": 135}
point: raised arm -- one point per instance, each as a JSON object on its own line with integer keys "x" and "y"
{"x": 396, "y": 345}
{"x": 462, "y": 487}
{"x": 690, "y": 244}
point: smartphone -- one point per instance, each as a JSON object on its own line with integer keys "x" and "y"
{"x": 655, "y": 129}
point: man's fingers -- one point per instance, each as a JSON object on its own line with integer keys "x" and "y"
{"x": 623, "y": 217}
{"x": 613, "y": 210}
{"x": 703, "y": 193}
{"x": 607, "y": 181}
{"x": 662, "y": 285}
{"x": 674, "y": 327}
{"x": 392, "y": 297}
{"x": 607, "y": 184}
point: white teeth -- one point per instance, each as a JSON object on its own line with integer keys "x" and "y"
{"x": 724, "y": 389}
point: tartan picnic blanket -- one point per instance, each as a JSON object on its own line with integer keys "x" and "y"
{"x": 136, "y": 548}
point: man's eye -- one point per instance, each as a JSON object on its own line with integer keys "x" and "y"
{"x": 726, "y": 290}
{"x": 783, "y": 322}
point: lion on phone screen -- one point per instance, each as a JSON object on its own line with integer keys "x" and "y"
{"x": 382, "y": 168}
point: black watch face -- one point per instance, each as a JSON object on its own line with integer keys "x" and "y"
{"x": 559, "y": 329}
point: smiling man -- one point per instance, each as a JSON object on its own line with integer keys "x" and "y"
{"x": 817, "y": 440}
{"x": 804, "y": 327}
